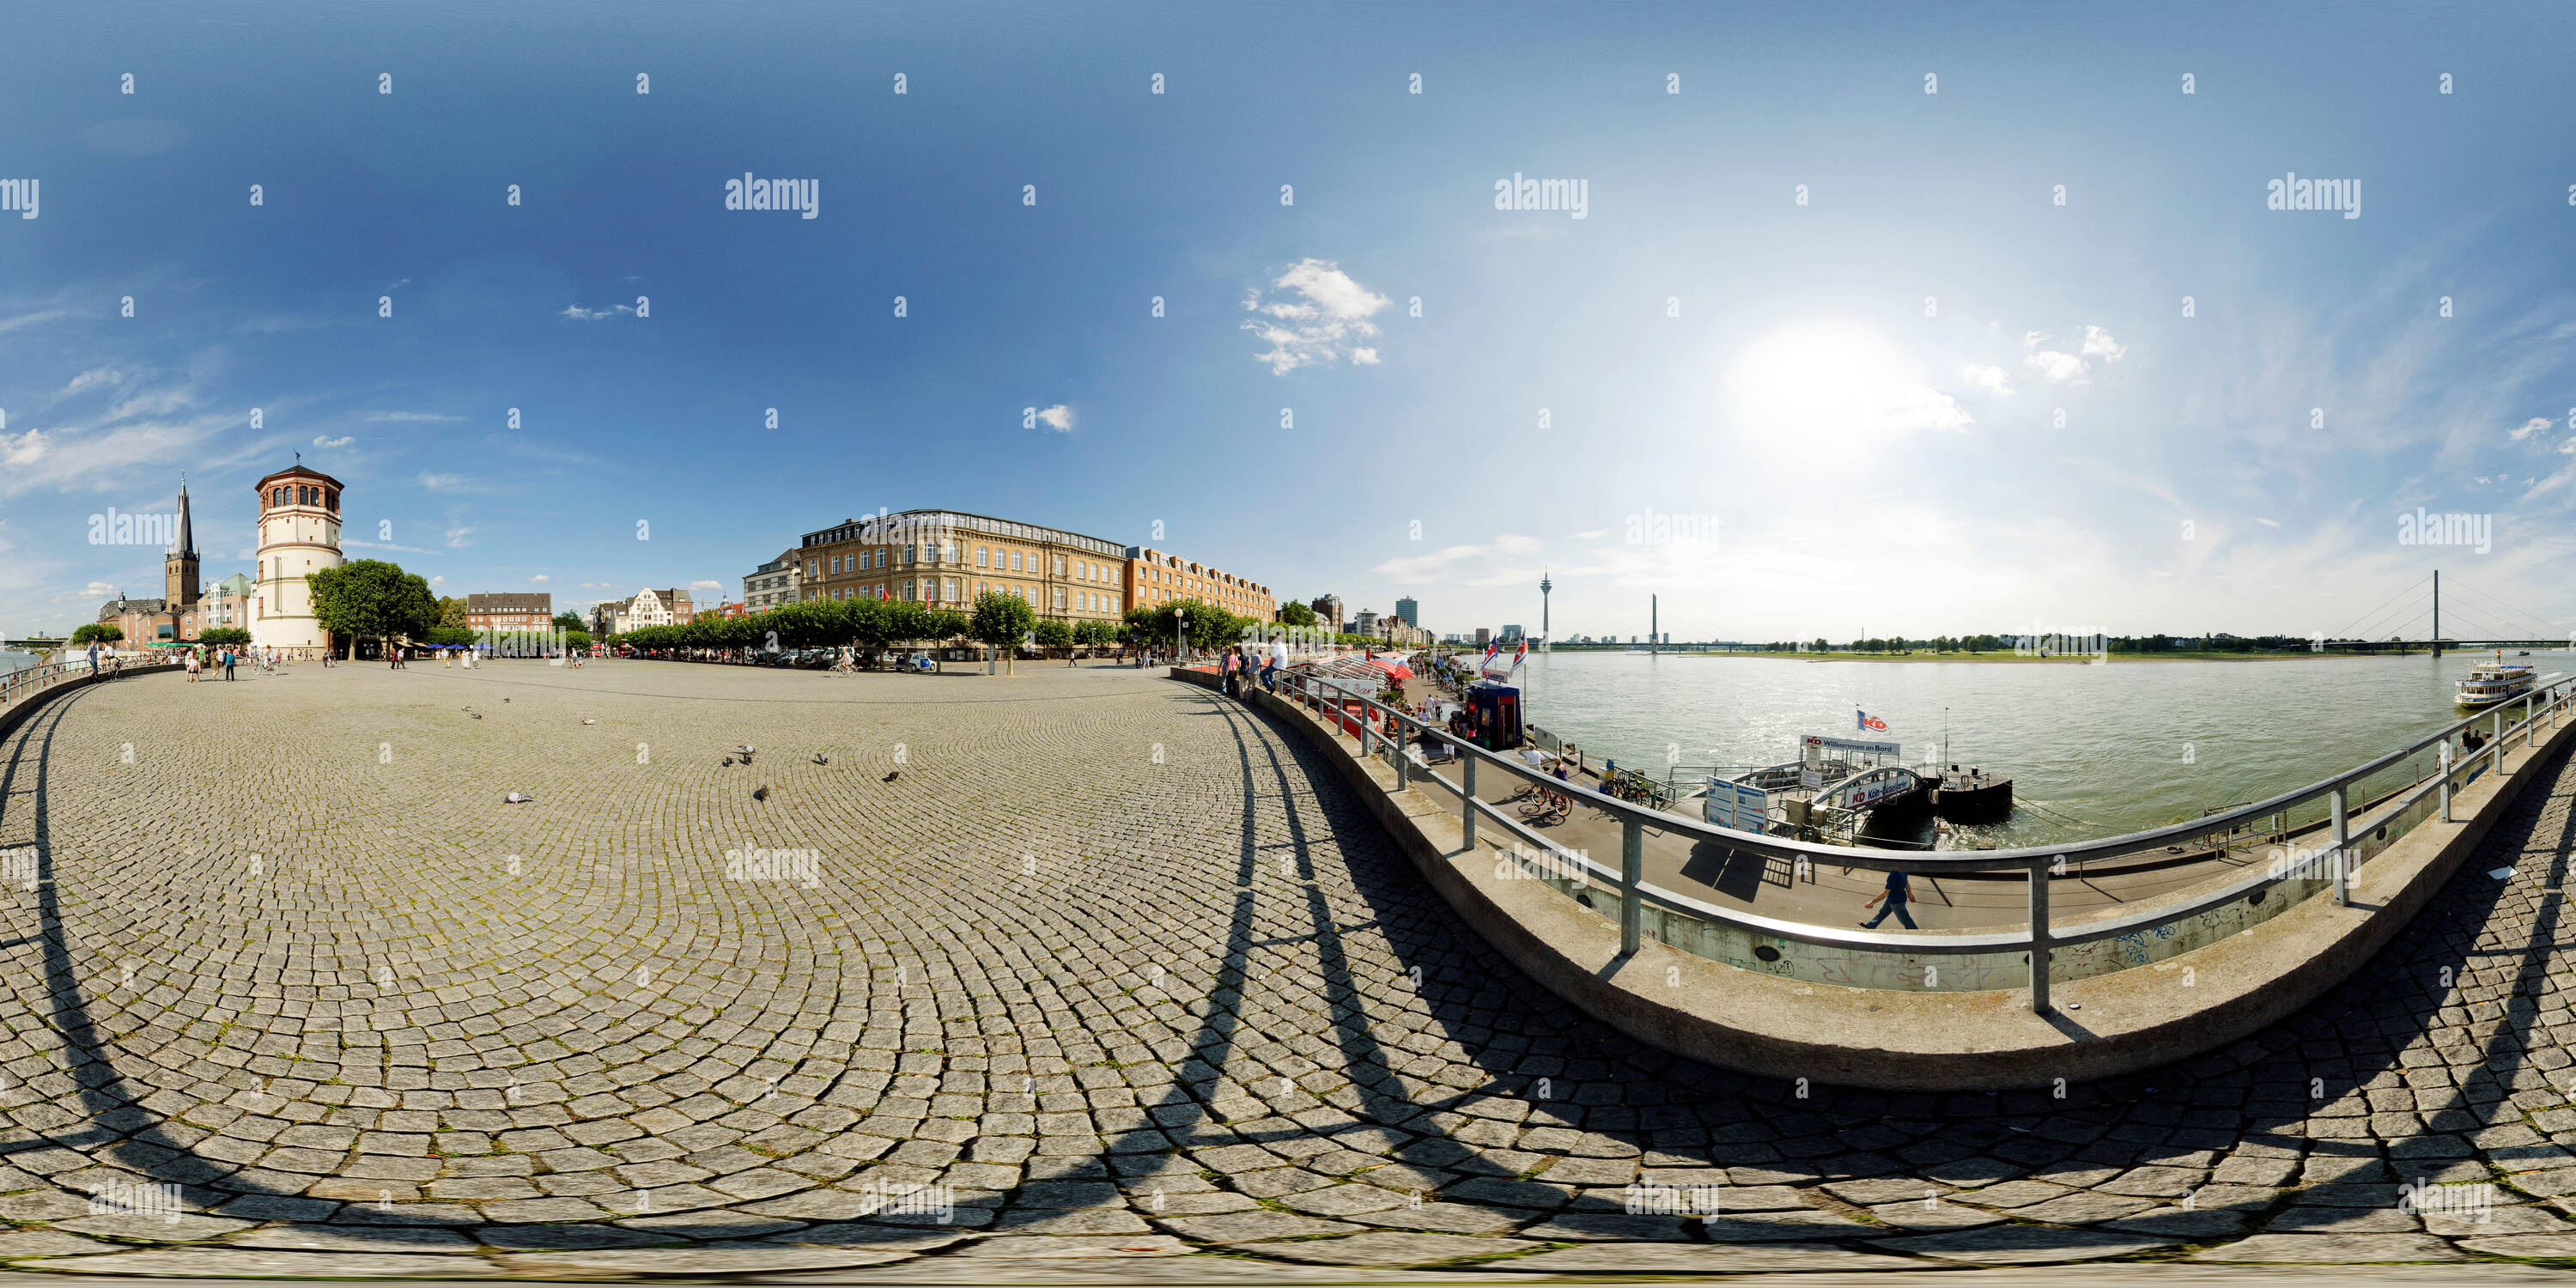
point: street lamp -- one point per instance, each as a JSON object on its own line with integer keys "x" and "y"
{"x": 1181, "y": 634}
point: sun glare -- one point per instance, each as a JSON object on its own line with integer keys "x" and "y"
{"x": 1829, "y": 386}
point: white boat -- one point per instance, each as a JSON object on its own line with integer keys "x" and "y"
{"x": 2489, "y": 683}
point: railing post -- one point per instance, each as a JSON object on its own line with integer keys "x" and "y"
{"x": 1403, "y": 764}
{"x": 2039, "y": 937}
{"x": 1467, "y": 798}
{"x": 1632, "y": 874}
{"x": 2499, "y": 742}
{"x": 2446, "y": 780}
{"x": 2341, "y": 861}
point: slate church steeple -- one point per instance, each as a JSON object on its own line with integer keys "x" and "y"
{"x": 179, "y": 567}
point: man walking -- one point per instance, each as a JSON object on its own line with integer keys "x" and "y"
{"x": 93, "y": 657}
{"x": 1897, "y": 896}
{"x": 228, "y": 662}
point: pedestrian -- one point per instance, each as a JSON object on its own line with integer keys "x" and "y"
{"x": 228, "y": 664}
{"x": 1278, "y": 659}
{"x": 445, "y": 657}
{"x": 1897, "y": 896}
{"x": 93, "y": 657}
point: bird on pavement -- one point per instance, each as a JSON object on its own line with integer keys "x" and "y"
{"x": 478, "y": 715}
{"x": 821, "y": 759}
{"x": 894, "y": 775}
{"x": 762, "y": 794}
{"x": 518, "y": 798}
{"x": 728, "y": 762}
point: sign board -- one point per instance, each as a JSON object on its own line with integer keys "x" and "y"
{"x": 1741, "y": 806}
{"x": 1819, "y": 742}
{"x": 1810, "y": 778}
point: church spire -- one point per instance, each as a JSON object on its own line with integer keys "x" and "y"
{"x": 187, "y": 538}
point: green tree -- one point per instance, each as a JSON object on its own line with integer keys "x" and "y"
{"x": 570, "y": 621}
{"x": 372, "y": 599}
{"x": 224, "y": 636}
{"x": 1294, "y": 613}
{"x": 1002, "y": 621}
{"x": 1055, "y": 633}
{"x": 448, "y": 635}
{"x": 103, "y": 632}
{"x": 576, "y": 641}
{"x": 451, "y": 612}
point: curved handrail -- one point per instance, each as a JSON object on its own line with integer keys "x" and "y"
{"x": 2037, "y": 862}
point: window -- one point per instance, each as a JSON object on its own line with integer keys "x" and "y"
{"x": 1059, "y": 565}
{"x": 1059, "y": 597}
{"x": 948, "y": 588}
{"x": 1015, "y": 561}
{"x": 813, "y": 567}
{"x": 981, "y": 557}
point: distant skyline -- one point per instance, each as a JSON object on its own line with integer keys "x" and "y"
{"x": 1711, "y": 303}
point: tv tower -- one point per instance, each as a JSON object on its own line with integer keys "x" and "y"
{"x": 1546, "y": 637}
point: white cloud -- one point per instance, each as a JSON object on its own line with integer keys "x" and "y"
{"x": 2532, "y": 426}
{"x": 2061, "y": 367}
{"x": 1593, "y": 535}
{"x": 2269, "y": 523}
{"x": 541, "y": 577}
{"x": 1058, "y": 418}
{"x": 709, "y": 585}
{"x": 2033, "y": 339}
{"x": 1992, "y": 379}
{"x": 579, "y": 314}
{"x": 1330, "y": 314}
{"x": 95, "y": 590}
{"x": 2099, "y": 344}
{"x": 456, "y": 537}
{"x": 323, "y": 441}
{"x": 438, "y": 581}
{"x": 1921, "y": 407}
{"x": 93, "y": 378}
{"x": 363, "y": 545}
{"x": 25, "y": 449}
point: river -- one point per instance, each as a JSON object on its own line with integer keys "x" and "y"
{"x": 2093, "y": 750}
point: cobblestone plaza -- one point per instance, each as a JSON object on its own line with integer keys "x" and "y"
{"x": 1080, "y": 963}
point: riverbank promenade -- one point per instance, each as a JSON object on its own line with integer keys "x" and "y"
{"x": 1082, "y": 974}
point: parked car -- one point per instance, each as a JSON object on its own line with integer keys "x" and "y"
{"x": 920, "y": 662}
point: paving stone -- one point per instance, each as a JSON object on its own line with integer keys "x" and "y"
{"x": 139, "y": 1227}
{"x": 1693, "y": 1259}
{"x": 1244, "y": 1227}
{"x": 714, "y": 1260}
{"x": 305, "y": 1238}
{"x": 1943, "y": 1216}
{"x": 49, "y": 1243}
{"x": 2534, "y": 1246}
{"x": 2020, "y": 1245}
{"x": 1759, "y": 1227}
{"x": 2497, "y": 1221}
{"x": 777, "y": 1065}
{"x": 1052, "y": 1248}
{"x": 219, "y": 1263}
{"x": 1389, "y": 1248}
{"x": 2332, "y": 1248}
{"x": 1610, "y": 1226}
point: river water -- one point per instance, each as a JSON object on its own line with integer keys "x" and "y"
{"x": 11, "y": 661}
{"x": 2093, "y": 750}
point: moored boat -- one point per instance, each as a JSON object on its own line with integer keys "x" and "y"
{"x": 2489, "y": 683}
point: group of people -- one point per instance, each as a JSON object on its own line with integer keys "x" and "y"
{"x": 201, "y": 659}
{"x": 1242, "y": 666}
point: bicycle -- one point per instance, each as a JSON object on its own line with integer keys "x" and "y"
{"x": 1547, "y": 807}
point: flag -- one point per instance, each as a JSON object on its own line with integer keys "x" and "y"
{"x": 1520, "y": 653}
{"x": 1869, "y": 722}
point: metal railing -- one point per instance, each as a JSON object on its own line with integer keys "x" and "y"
{"x": 27, "y": 682}
{"x": 2114, "y": 942}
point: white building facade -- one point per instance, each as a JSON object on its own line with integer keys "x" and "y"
{"x": 299, "y": 535}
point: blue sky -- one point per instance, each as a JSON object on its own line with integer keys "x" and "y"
{"x": 1852, "y": 405}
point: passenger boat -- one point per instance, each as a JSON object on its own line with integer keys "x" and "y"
{"x": 2489, "y": 683}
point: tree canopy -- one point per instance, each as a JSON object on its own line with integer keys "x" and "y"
{"x": 372, "y": 599}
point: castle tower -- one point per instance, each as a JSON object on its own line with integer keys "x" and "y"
{"x": 299, "y": 534}
{"x": 179, "y": 568}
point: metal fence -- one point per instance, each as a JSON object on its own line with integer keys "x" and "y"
{"x": 2031, "y": 956}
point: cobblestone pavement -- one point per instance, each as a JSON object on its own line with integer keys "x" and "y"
{"x": 1115, "y": 967}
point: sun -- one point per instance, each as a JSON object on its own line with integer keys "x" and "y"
{"x": 1824, "y": 390}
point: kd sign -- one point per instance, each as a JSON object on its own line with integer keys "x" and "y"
{"x": 1868, "y": 721}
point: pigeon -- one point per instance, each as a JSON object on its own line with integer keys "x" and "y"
{"x": 505, "y": 699}
{"x": 891, "y": 777}
{"x": 728, "y": 762}
{"x": 518, "y": 798}
{"x": 478, "y": 715}
{"x": 590, "y": 722}
{"x": 821, "y": 759}
{"x": 762, "y": 793}
{"x": 747, "y": 749}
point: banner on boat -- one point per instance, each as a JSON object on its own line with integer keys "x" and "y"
{"x": 1820, "y": 742}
